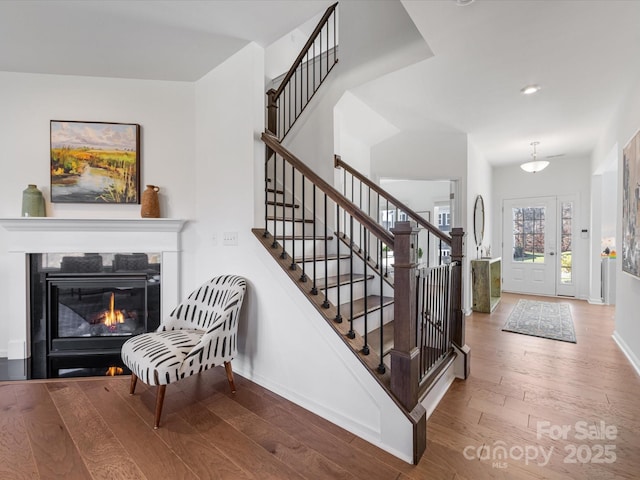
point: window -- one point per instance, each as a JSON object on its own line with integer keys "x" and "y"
{"x": 443, "y": 214}
{"x": 566, "y": 260}
{"x": 528, "y": 234}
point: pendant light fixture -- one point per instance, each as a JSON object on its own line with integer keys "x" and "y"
{"x": 535, "y": 165}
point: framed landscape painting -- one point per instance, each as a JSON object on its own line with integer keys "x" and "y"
{"x": 631, "y": 207}
{"x": 95, "y": 162}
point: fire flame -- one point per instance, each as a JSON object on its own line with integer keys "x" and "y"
{"x": 113, "y": 371}
{"x": 113, "y": 316}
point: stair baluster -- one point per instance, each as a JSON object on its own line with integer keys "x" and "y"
{"x": 303, "y": 277}
{"x": 283, "y": 255}
{"x": 351, "y": 334}
{"x": 365, "y": 349}
{"x": 326, "y": 303}
{"x": 381, "y": 366}
{"x": 314, "y": 287}
{"x": 338, "y": 318}
{"x": 274, "y": 244}
{"x": 293, "y": 216}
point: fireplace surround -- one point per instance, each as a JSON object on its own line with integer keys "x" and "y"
{"x": 31, "y": 235}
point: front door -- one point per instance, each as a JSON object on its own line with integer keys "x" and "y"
{"x": 529, "y": 261}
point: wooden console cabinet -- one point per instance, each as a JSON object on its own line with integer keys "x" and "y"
{"x": 486, "y": 283}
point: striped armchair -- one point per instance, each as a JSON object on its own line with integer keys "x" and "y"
{"x": 200, "y": 333}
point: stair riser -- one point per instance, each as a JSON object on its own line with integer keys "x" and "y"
{"x": 301, "y": 247}
{"x": 297, "y": 212}
{"x": 358, "y": 292}
{"x": 291, "y": 228}
{"x": 332, "y": 266}
{"x": 373, "y": 321}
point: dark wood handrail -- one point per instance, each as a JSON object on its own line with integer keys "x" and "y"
{"x": 304, "y": 50}
{"x": 272, "y": 142}
{"x": 401, "y": 206}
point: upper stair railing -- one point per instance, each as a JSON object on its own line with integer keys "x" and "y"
{"x": 316, "y": 59}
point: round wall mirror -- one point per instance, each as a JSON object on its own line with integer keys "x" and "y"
{"x": 478, "y": 220}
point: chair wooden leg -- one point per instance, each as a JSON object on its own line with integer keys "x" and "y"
{"x": 227, "y": 367}
{"x": 134, "y": 381}
{"x": 159, "y": 402}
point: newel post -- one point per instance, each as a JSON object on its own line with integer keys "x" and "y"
{"x": 457, "y": 315}
{"x": 272, "y": 112}
{"x": 457, "y": 242}
{"x": 405, "y": 355}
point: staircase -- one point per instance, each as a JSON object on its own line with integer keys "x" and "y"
{"x": 359, "y": 269}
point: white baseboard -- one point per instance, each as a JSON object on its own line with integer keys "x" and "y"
{"x": 438, "y": 391}
{"x": 633, "y": 359}
{"x": 357, "y": 428}
{"x": 595, "y": 301}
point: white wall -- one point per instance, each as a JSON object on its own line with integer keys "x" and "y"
{"x": 419, "y": 195}
{"x": 200, "y": 144}
{"x": 165, "y": 110}
{"x": 479, "y": 182}
{"x": 565, "y": 176}
{"x": 373, "y": 41}
{"x": 623, "y": 127}
{"x": 604, "y": 202}
{"x": 421, "y": 155}
{"x": 358, "y": 127}
{"x": 285, "y": 345}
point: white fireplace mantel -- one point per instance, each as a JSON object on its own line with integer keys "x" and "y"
{"x": 53, "y": 234}
{"x": 25, "y": 235}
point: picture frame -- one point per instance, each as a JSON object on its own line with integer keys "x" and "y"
{"x": 631, "y": 206}
{"x": 94, "y": 162}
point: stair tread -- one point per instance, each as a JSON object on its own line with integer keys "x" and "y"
{"x": 283, "y": 204}
{"x": 373, "y": 304}
{"x": 276, "y": 191}
{"x": 302, "y": 237}
{"x": 342, "y": 280}
{"x": 387, "y": 338}
{"x": 289, "y": 219}
{"x": 331, "y": 256}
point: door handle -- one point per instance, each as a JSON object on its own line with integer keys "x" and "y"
{"x": 552, "y": 253}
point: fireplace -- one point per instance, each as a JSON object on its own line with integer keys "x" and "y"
{"x": 85, "y": 306}
{"x": 23, "y": 330}
{"x": 89, "y": 312}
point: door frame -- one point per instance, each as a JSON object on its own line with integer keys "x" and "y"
{"x": 560, "y": 289}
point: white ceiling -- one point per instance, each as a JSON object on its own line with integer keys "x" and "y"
{"x": 583, "y": 53}
{"x": 147, "y": 39}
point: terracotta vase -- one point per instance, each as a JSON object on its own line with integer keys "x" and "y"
{"x": 150, "y": 204}
{"x": 32, "y": 202}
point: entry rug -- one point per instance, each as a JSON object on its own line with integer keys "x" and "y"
{"x": 542, "y": 319}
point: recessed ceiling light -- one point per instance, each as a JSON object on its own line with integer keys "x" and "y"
{"x": 462, "y": 3}
{"x": 529, "y": 89}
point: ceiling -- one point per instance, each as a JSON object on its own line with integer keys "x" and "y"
{"x": 583, "y": 53}
{"x": 178, "y": 40}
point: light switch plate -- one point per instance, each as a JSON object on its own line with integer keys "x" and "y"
{"x": 230, "y": 238}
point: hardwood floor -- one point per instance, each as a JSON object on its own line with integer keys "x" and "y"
{"x": 92, "y": 428}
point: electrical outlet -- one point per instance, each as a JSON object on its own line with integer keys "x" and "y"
{"x": 230, "y": 238}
